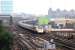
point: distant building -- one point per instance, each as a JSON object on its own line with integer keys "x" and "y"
{"x": 61, "y": 14}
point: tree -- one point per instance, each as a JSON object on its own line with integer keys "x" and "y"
{"x": 5, "y": 38}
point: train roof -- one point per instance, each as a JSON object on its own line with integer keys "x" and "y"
{"x": 62, "y": 29}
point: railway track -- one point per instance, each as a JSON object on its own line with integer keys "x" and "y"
{"x": 65, "y": 42}
{"x": 24, "y": 39}
{"x": 46, "y": 36}
{"x": 66, "y": 45}
{"x": 69, "y": 44}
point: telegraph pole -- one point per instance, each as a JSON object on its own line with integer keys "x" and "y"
{"x": 11, "y": 20}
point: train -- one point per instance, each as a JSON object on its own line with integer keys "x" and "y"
{"x": 29, "y": 24}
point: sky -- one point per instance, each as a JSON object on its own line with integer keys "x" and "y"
{"x": 32, "y": 6}
{"x": 40, "y": 7}
{"x": 63, "y": 4}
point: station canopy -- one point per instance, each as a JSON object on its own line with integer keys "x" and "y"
{"x": 43, "y": 20}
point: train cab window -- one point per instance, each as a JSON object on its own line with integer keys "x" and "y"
{"x": 60, "y": 26}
